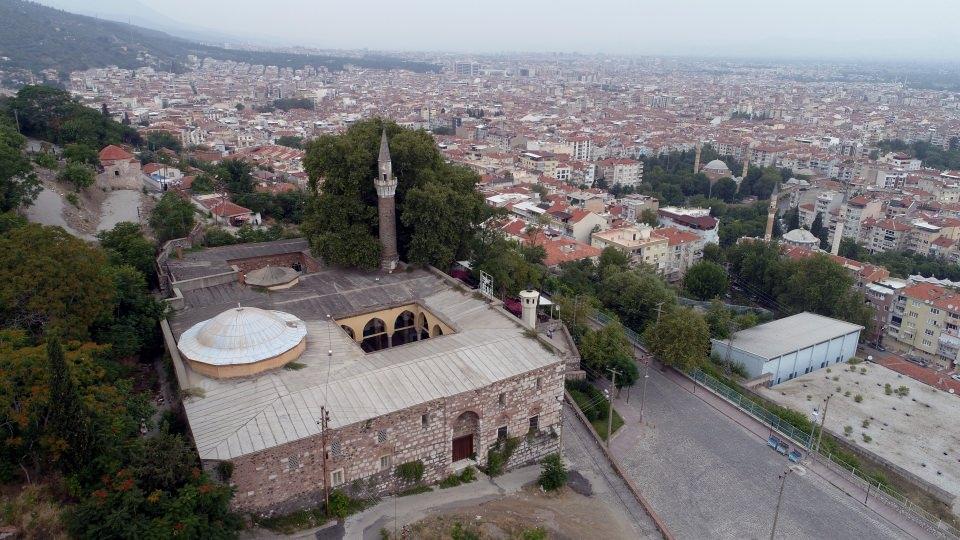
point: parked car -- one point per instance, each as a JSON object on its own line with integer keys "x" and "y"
{"x": 955, "y": 376}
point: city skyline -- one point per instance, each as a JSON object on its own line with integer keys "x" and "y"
{"x": 882, "y": 30}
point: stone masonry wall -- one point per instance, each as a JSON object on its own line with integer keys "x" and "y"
{"x": 307, "y": 263}
{"x": 290, "y": 476}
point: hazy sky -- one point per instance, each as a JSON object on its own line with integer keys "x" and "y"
{"x": 912, "y": 29}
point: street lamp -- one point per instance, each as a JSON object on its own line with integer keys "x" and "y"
{"x": 643, "y": 392}
{"x": 799, "y": 471}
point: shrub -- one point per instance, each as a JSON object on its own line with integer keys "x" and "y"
{"x": 858, "y": 398}
{"x": 846, "y": 394}
{"x": 78, "y": 174}
{"x": 854, "y": 361}
{"x": 468, "y": 475}
{"x": 459, "y": 532}
{"x": 411, "y": 471}
{"x": 863, "y": 371}
{"x": 847, "y": 430}
{"x": 867, "y": 438}
{"x": 339, "y": 505}
{"x": 902, "y": 391}
{"x": 829, "y": 370}
{"x": 534, "y": 534}
{"x": 865, "y": 424}
{"x": 553, "y": 475}
{"x": 45, "y": 160}
{"x": 887, "y": 389}
{"x": 499, "y": 454}
{"x": 73, "y": 199}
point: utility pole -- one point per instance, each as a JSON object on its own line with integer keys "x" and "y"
{"x": 799, "y": 471}
{"x": 323, "y": 422}
{"x": 613, "y": 385}
{"x": 823, "y": 421}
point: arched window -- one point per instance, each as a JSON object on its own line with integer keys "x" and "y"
{"x": 348, "y": 330}
{"x": 375, "y": 336}
{"x": 404, "y": 330}
{"x": 437, "y": 331}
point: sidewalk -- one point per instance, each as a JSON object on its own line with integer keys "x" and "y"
{"x": 395, "y": 512}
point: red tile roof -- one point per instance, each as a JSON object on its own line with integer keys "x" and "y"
{"x": 115, "y": 153}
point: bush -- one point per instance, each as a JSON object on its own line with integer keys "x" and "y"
{"x": 499, "y": 454}
{"x": 887, "y": 389}
{"x": 73, "y": 199}
{"x": 902, "y": 391}
{"x": 865, "y": 424}
{"x": 553, "y": 475}
{"x": 534, "y": 534}
{"x": 79, "y": 175}
{"x": 847, "y": 430}
{"x": 858, "y": 398}
{"x": 225, "y": 470}
{"x": 218, "y": 236}
{"x": 45, "y": 160}
{"x": 411, "y": 471}
{"x": 867, "y": 438}
{"x": 339, "y": 505}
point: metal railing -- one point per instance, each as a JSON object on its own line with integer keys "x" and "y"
{"x": 892, "y": 498}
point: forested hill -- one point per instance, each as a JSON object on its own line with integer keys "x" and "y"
{"x": 35, "y": 37}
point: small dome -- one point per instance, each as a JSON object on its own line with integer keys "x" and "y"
{"x": 801, "y": 236}
{"x": 716, "y": 166}
{"x": 272, "y": 277}
{"x": 242, "y": 335}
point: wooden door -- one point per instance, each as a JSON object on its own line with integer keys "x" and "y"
{"x": 462, "y": 447}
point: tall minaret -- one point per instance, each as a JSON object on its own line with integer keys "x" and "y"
{"x": 696, "y": 158}
{"x": 386, "y": 186}
{"x": 772, "y": 213}
{"x": 838, "y": 230}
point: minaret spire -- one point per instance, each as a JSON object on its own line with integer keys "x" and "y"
{"x": 386, "y": 186}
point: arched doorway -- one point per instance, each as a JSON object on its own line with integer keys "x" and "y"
{"x": 437, "y": 331}
{"x": 375, "y": 336}
{"x": 349, "y": 331}
{"x": 465, "y": 429}
{"x": 404, "y": 329}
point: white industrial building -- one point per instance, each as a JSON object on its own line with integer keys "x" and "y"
{"x": 791, "y": 346}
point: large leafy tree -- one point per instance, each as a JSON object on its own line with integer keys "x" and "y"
{"x": 50, "y": 280}
{"x": 18, "y": 185}
{"x": 634, "y": 295}
{"x": 705, "y": 280}
{"x": 125, "y": 243}
{"x": 53, "y": 115}
{"x": 681, "y": 338}
{"x": 172, "y": 217}
{"x": 341, "y": 220}
{"x": 608, "y": 348}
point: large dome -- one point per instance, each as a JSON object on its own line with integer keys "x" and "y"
{"x": 801, "y": 237}
{"x": 244, "y": 336}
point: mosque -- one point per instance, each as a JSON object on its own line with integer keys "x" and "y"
{"x": 308, "y": 378}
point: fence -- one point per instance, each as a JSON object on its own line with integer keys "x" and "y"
{"x": 907, "y": 508}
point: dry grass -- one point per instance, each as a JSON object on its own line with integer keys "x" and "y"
{"x": 33, "y": 512}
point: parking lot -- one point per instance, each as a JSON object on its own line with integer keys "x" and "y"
{"x": 709, "y": 477}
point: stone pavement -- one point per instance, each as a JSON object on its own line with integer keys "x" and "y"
{"x": 708, "y": 472}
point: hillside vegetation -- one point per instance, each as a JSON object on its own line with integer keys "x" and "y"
{"x": 35, "y": 38}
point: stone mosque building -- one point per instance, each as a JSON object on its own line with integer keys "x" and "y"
{"x": 408, "y": 364}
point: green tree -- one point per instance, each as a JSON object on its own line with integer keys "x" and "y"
{"x": 705, "y": 280}
{"x": 793, "y": 218}
{"x": 726, "y": 190}
{"x": 236, "y": 175}
{"x": 50, "y": 280}
{"x": 719, "y": 319}
{"x": 19, "y": 186}
{"x": 66, "y": 418}
{"x": 504, "y": 260}
{"x": 203, "y": 184}
{"x": 575, "y": 312}
{"x": 443, "y": 221}
{"x": 172, "y": 217}
{"x": 81, "y": 153}
{"x": 133, "y": 324}
{"x": 714, "y": 253}
{"x": 291, "y": 141}
{"x": 79, "y": 175}
{"x": 612, "y": 260}
{"x": 553, "y": 475}
{"x": 649, "y": 216}
{"x": 817, "y": 229}
{"x": 162, "y": 139}
{"x": 126, "y": 244}
{"x": 608, "y": 348}
{"x": 634, "y": 295}
{"x": 681, "y": 339}
{"x": 341, "y": 221}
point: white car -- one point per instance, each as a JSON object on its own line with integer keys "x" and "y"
{"x": 955, "y": 376}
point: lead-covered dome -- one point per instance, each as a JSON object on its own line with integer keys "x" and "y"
{"x": 243, "y": 341}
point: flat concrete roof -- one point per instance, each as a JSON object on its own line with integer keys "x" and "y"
{"x": 789, "y": 334}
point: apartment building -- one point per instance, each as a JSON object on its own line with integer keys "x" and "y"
{"x": 638, "y": 242}
{"x": 888, "y": 235}
{"x": 624, "y": 172}
{"x": 925, "y": 320}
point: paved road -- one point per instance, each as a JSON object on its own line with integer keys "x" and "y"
{"x": 710, "y": 477}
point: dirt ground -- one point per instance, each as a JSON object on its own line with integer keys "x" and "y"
{"x": 563, "y": 515}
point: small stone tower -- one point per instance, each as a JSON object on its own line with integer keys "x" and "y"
{"x": 772, "y": 213}
{"x": 386, "y": 186}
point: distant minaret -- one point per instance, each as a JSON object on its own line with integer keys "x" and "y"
{"x": 772, "y": 213}
{"x": 386, "y": 186}
{"x": 696, "y": 159}
{"x": 746, "y": 163}
{"x": 838, "y": 230}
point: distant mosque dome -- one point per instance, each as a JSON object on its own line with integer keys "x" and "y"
{"x": 717, "y": 167}
{"x": 801, "y": 238}
{"x": 272, "y": 277}
{"x": 243, "y": 341}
